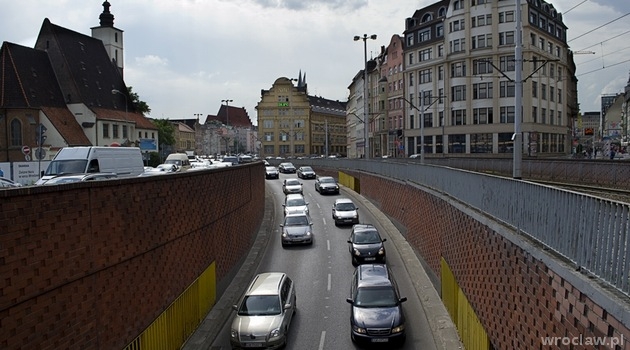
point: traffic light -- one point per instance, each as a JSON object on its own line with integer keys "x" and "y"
{"x": 39, "y": 134}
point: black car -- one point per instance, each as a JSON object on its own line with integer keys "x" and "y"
{"x": 326, "y": 184}
{"x": 271, "y": 172}
{"x": 306, "y": 172}
{"x": 366, "y": 245}
{"x": 376, "y": 315}
{"x": 286, "y": 168}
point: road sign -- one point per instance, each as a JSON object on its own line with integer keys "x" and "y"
{"x": 40, "y": 153}
{"x": 26, "y": 150}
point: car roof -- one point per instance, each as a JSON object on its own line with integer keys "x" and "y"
{"x": 266, "y": 283}
{"x": 293, "y": 196}
{"x": 363, "y": 227}
{"x": 343, "y": 200}
{"x": 373, "y": 275}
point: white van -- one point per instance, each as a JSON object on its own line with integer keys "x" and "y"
{"x": 179, "y": 159}
{"x": 122, "y": 161}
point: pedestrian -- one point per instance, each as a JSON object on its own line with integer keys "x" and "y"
{"x": 612, "y": 152}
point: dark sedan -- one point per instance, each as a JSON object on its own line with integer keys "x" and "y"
{"x": 297, "y": 229}
{"x": 326, "y": 184}
{"x": 366, "y": 245}
{"x": 306, "y": 172}
{"x": 376, "y": 315}
{"x": 286, "y": 168}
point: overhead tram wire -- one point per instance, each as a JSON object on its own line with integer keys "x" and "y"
{"x": 601, "y": 42}
{"x": 598, "y": 58}
{"x": 606, "y": 67}
{"x": 603, "y": 25}
{"x": 567, "y": 11}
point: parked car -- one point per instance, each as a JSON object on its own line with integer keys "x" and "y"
{"x": 168, "y": 167}
{"x": 8, "y": 183}
{"x": 291, "y": 186}
{"x": 415, "y": 155}
{"x": 366, "y": 245}
{"x": 230, "y": 159}
{"x": 286, "y": 168}
{"x": 271, "y": 172}
{"x": 376, "y": 313}
{"x": 297, "y": 229}
{"x": 69, "y": 178}
{"x": 326, "y": 184}
{"x": 345, "y": 212}
{"x": 295, "y": 203}
{"x": 306, "y": 172}
{"x": 264, "y": 313}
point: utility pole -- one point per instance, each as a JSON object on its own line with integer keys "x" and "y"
{"x": 518, "y": 98}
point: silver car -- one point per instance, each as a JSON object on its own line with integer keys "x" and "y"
{"x": 295, "y": 203}
{"x": 297, "y": 228}
{"x": 291, "y": 186}
{"x": 264, "y": 313}
{"x": 345, "y": 212}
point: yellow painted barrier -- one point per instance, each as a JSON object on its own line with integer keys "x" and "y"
{"x": 470, "y": 329}
{"x": 349, "y": 181}
{"x": 171, "y": 329}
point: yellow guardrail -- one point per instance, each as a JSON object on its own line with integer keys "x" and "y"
{"x": 349, "y": 181}
{"x": 171, "y": 329}
{"x": 470, "y": 329}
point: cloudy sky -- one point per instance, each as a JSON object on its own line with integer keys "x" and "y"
{"x": 184, "y": 56}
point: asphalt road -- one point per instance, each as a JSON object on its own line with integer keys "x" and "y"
{"x": 322, "y": 274}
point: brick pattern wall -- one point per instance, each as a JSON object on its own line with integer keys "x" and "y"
{"x": 92, "y": 265}
{"x": 517, "y": 298}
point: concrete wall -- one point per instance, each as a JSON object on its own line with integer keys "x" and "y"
{"x": 89, "y": 266}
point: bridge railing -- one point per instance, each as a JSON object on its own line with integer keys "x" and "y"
{"x": 591, "y": 232}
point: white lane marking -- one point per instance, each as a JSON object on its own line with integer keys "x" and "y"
{"x": 328, "y": 244}
{"x": 323, "y": 219}
{"x": 321, "y": 340}
{"x": 329, "y": 282}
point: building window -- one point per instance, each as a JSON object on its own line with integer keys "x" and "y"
{"x": 115, "y": 131}
{"x": 424, "y": 55}
{"x": 559, "y": 95}
{"x": 458, "y": 69}
{"x": 269, "y": 136}
{"x": 506, "y": 114}
{"x": 440, "y": 50}
{"x": 552, "y": 94}
{"x": 551, "y": 116}
{"x": 268, "y": 124}
{"x": 457, "y": 25}
{"x": 410, "y": 79}
{"x": 507, "y": 16}
{"x": 481, "y": 41}
{"x": 481, "y": 143}
{"x": 458, "y": 93}
{"x": 458, "y": 117}
{"x": 482, "y": 66}
{"x": 535, "y": 114}
{"x": 458, "y": 5}
{"x": 441, "y": 73}
{"x": 482, "y": 115}
{"x": 506, "y": 89}
{"x": 16, "y": 133}
{"x": 411, "y": 58}
{"x": 410, "y": 40}
{"x": 506, "y": 63}
{"x": 506, "y": 38}
{"x": 543, "y": 91}
{"x": 424, "y": 35}
{"x": 482, "y": 91}
{"x": 457, "y": 45}
{"x": 439, "y": 30}
{"x": 543, "y": 115}
{"x": 425, "y": 76}
{"x": 534, "y": 89}
{"x": 506, "y": 145}
{"x": 105, "y": 130}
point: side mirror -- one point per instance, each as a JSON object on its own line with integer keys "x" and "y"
{"x": 281, "y": 225}
{"x": 284, "y": 205}
{"x": 349, "y": 241}
{"x": 287, "y": 306}
{"x": 402, "y": 300}
{"x": 350, "y": 300}
{"x": 235, "y": 307}
{"x": 384, "y": 239}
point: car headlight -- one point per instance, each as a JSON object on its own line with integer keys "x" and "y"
{"x": 355, "y": 216}
{"x": 275, "y": 333}
{"x": 359, "y": 329}
{"x": 284, "y": 233}
{"x": 234, "y": 333}
{"x": 357, "y": 252}
{"x": 381, "y": 251}
{"x": 308, "y": 233}
{"x": 398, "y": 329}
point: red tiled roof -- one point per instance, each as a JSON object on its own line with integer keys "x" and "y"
{"x": 63, "y": 120}
{"x": 230, "y": 115}
{"x": 124, "y": 116}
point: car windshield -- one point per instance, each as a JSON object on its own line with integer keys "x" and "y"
{"x": 327, "y": 180}
{"x": 306, "y": 168}
{"x": 366, "y": 237}
{"x": 375, "y": 297}
{"x": 57, "y": 167}
{"x": 260, "y": 305}
{"x": 270, "y": 168}
{"x": 296, "y": 221}
{"x": 296, "y": 202}
{"x": 345, "y": 207}
{"x": 292, "y": 183}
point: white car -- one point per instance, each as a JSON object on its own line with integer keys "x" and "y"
{"x": 291, "y": 186}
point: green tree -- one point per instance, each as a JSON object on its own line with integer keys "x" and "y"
{"x": 138, "y": 105}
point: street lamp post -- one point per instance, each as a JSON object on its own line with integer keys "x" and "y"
{"x": 114, "y": 92}
{"x": 227, "y": 122}
{"x": 365, "y": 92}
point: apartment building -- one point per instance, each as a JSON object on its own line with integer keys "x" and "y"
{"x": 459, "y": 74}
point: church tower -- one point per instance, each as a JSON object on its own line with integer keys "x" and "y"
{"x": 111, "y": 37}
